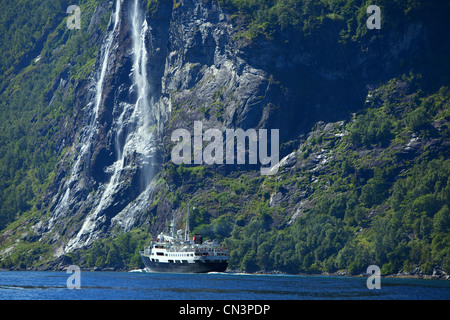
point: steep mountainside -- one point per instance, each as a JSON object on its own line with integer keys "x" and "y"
{"x": 88, "y": 117}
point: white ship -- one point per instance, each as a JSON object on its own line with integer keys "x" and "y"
{"x": 176, "y": 253}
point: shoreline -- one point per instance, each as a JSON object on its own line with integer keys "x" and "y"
{"x": 441, "y": 276}
{"x": 361, "y": 275}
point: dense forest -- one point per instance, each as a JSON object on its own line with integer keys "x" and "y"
{"x": 395, "y": 213}
{"x": 381, "y": 197}
{"x": 370, "y": 204}
{"x": 36, "y": 48}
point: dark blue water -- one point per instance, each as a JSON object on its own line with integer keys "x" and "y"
{"x": 142, "y": 286}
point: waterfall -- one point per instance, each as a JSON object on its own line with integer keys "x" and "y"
{"x": 108, "y": 45}
{"x": 89, "y": 131}
{"x": 132, "y": 128}
{"x": 106, "y": 50}
{"x": 141, "y": 139}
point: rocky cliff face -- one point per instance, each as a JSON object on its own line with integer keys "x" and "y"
{"x": 105, "y": 179}
{"x": 162, "y": 65}
{"x": 181, "y": 64}
{"x": 162, "y": 70}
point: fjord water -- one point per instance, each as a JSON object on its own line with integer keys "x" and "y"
{"x": 24, "y": 285}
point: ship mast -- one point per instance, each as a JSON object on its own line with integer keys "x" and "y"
{"x": 172, "y": 227}
{"x": 186, "y": 232}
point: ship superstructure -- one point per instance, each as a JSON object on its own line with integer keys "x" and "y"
{"x": 179, "y": 254}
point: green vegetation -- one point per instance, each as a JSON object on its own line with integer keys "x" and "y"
{"x": 336, "y": 233}
{"x": 382, "y": 196}
{"x": 33, "y": 107}
{"x": 371, "y": 204}
{"x": 24, "y": 27}
{"x": 120, "y": 252}
{"x": 275, "y": 18}
{"x": 372, "y": 128}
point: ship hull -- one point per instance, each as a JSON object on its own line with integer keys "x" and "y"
{"x": 199, "y": 266}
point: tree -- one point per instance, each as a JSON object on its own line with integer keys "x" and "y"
{"x": 441, "y": 220}
{"x": 417, "y": 119}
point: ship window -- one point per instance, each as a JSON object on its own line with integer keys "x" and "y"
{"x": 159, "y": 253}
{"x": 170, "y": 261}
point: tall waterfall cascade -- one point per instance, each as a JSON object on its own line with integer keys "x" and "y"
{"x": 132, "y": 130}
